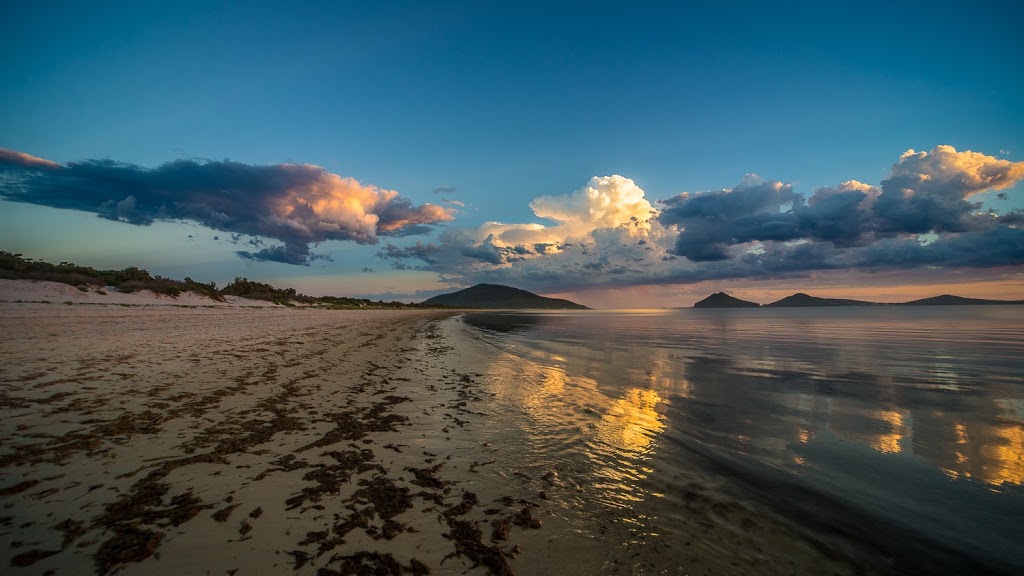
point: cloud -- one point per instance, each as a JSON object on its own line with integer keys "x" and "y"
{"x": 445, "y": 190}
{"x": 420, "y": 251}
{"x": 929, "y": 191}
{"x": 926, "y": 192}
{"x": 868, "y": 191}
{"x": 1012, "y": 218}
{"x": 607, "y": 234}
{"x": 286, "y": 254}
{"x": 578, "y": 217}
{"x": 605, "y": 201}
{"x": 13, "y": 158}
{"x": 602, "y": 229}
{"x": 486, "y": 251}
{"x": 712, "y": 221}
{"x": 297, "y": 204}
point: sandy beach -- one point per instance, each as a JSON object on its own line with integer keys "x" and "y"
{"x": 167, "y": 437}
{"x": 224, "y": 440}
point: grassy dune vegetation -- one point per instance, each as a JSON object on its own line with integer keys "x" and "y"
{"x": 17, "y": 267}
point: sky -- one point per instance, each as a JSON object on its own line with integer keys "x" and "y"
{"x": 621, "y": 155}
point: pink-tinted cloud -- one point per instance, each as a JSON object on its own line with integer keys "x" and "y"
{"x": 13, "y": 158}
{"x": 297, "y": 204}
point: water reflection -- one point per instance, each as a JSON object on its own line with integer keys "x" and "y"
{"x": 904, "y": 428}
{"x": 997, "y": 459}
{"x": 595, "y": 430}
{"x": 890, "y": 441}
{"x": 942, "y": 387}
{"x": 631, "y": 422}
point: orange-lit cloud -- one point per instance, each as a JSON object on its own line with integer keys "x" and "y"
{"x": 297, "y": 204}
{"x": 14, "y": 158}
{"x": 605, "y": 202}
{"x": 944, "y": 170}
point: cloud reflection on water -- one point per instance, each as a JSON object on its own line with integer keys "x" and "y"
{"x": 941, "y": 389}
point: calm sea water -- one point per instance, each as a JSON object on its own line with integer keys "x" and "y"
{"x": 898, "y": 428}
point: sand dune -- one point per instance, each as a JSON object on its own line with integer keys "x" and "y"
{"x": 56, "y": 292}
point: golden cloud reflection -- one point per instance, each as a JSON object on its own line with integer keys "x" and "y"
{"x": 990, "y": 454}
{"x": 889, "y": 442}
{"x": 607, "y": 418}
{"x": 804, "y": 435}
{"x": 986, "y": 451}
{"x": 1009, "y": 456}
{"x": 631, "y": 422}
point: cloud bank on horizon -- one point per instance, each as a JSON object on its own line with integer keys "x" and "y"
{"x": 296, "y": 204}
{"x": 607, "y": 234}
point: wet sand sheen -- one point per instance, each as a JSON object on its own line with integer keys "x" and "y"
{"x": 170, "y": 440}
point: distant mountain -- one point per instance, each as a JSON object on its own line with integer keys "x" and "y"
{"x": 949, "y": 300}
{"x": 497, "y": 296}
{"x": 801, "y": 300}
{"x": 723, "y": 300}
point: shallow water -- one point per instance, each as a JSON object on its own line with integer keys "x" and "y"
{"x": 898, "y": 433}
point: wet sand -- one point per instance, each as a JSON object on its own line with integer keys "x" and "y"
{"x": 170, "y": 440}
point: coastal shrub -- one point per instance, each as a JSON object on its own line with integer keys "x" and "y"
{"x": 259, "y": 291}
{"x": 17, "y": 267}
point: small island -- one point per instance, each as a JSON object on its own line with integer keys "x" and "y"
{"x": 802, "y": 300}
{"x": 494, "y": 296}
{"x": 723, "y": 300}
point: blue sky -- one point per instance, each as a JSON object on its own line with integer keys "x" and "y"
{"x": 503, "y": 103}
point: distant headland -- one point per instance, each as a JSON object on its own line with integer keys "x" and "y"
{"x": 497, "y": 296}
{"x": 801, "y": 300}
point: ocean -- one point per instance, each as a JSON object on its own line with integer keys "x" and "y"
{"x": 889, "y": 438}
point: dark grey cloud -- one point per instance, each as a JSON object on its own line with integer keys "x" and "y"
{"x": 926, "y": 192}
{"x": 485, "y": 252}
{"x": 712, "y": 221}
{"x": 286, "y": 254}
{"x": 296, "y": 204}
{"x": 997, "y": 246}
{"x": 445, "y": 190}
{"x": 1012, "y": 218}
{"x": 422, "y": 251}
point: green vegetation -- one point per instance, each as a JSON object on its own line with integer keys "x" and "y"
{"x": 17, "y": 267}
